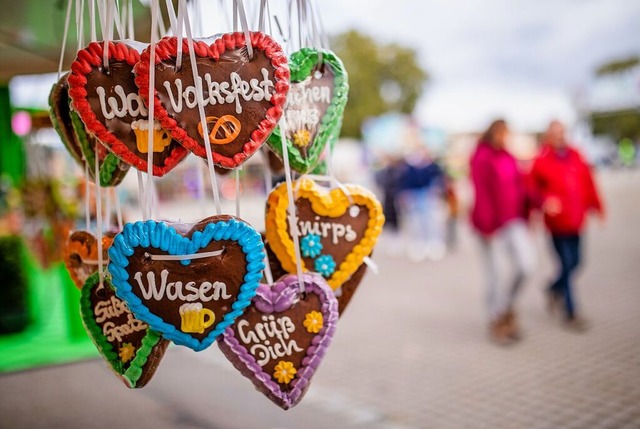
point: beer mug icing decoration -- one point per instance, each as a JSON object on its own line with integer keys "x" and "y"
{"x": 189, "y": 286}
{"x": 132, "y": 349}
{"x": 107, "y": 100}
{"x": 315, "y": 105}
{"x": 338, "y": 228}
{"x": 242, "y": 96}
{"x": 281, "y": 339}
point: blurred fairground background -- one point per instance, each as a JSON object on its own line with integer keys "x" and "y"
{"x": 426, "y": 79}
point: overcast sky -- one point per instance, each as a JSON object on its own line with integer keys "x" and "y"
{"x": 517, "y": 58}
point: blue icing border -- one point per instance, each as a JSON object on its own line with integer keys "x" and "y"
{"x": 152, "y": 234}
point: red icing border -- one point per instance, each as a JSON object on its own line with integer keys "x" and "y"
{"x": 87, "y": 60}
{"x": 166, "y": 49}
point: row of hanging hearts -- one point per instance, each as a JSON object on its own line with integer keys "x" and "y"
{"x": 274, "y": 334}
{"x": 102, "y": 111}
{"x": 197, "y": 284}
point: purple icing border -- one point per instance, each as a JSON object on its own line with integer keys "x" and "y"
{"x": 276, "y": 299}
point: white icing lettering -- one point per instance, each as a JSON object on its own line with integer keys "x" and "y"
{"x": 261, "y": 337}
{"x": 173, "y": 291}
{"x": 122, "y": 105}
{"x": 234, "y": 91}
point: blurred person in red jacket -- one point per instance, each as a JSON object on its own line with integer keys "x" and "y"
{"x": 563, "y": 182}
{"x": 499, "y": 216}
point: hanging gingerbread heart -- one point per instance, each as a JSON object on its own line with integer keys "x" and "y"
{"x": 243, "y": 97}
{"x": 343, "y": 294}
{"x": 189, "y": 286}
{"x": 281, "y": 339}
{"x": 80, "y": 255}
{"x": 107, "y": 100}
{"x": 132, "y": 349}
{"x": 59, "y": 112}
{"x": 314, "y": 109}
{"x": 80, "y": 144}
{"x": 338, "y": 228}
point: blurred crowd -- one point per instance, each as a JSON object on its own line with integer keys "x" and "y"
{"x": 421, "y": 202}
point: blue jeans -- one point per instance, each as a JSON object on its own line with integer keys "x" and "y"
{"x": 568, "y": 250}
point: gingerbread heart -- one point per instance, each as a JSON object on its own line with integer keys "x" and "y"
{"x": 314, "y": 109}
{"x": 80, "y": 255}
{"x": 243, "y": 97}
{"x": 189, "y": 301}
{"x": 80, "y": 144}
{"x": 107, "y": 100}
{"x": 343, "y": 294}
{"x": 281, "y": 339}
{"x": 337, "y": 229}
{"x": 132, "y": 349}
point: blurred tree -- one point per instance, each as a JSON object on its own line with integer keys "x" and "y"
{"x": 619, "y": 124}
{"x": 617, "y": 66}
{"x": 382, "y": 78}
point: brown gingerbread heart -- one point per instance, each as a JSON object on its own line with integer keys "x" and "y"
{"x": 189, "y": 286}
{"x": 80, "y": 255}
{"x": 107, "y": 100}
{"x": 242, "y": 96}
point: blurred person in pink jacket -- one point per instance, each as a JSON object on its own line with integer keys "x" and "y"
{"x": 499, "y": 216}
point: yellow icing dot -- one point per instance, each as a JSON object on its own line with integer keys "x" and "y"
{"x": 301, "y": 138}
{"x": 284, "y": 372}
{"x": 313, "y": 322}
{"x": 126, "y": 352}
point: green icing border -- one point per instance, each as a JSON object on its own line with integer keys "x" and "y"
{"x": 302, "y": 63}
{"x": 150, "y": 340}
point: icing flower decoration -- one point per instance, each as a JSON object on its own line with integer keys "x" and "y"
{"x": 310, "y": 245}
{"x": 301, "y": 138}
{"x": 126, "y": 352}
{"x": 284, "y": 372}
{"x": 325, "y": 265}
{"x": 313, "y": 322}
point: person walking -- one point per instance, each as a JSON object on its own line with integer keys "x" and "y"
{"x": 499, "y": 216}
{"x": 566, "y": 191}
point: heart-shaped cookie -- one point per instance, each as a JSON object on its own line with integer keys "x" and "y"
{"x": 80, "y": 144}
{"x": 80, "y": 255}
{"x": 337, "y": 230}
{"x": 282, "y": 337}
{"x": 343, "y": 294}
{"x": 110, "y": 107}
{"x": 243, "y": 97}
{"x": 314, "y": 109}
{"x": 189, "y": 301}
{"x": 132, "y": 349}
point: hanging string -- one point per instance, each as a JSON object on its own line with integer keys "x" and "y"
{"x": 141, "y": 196}
{"x": 202, "y": 255}
{"x": 92, "y": 20}
{"x": 130, "y": 26}
{"x": 107, "y": 211}
{"x": 80, "y": 23}
{"x": 116, "y": 197}
{"x": 261, "y": 16}
{"x": 87, "y": 215}
{"x": 239, "y": 11}
{"x": 155, "y": 6}
{"x": 203, "y": 120}
{"x": 98, "y": 217}
{"x": 67, "y": 20}
{"x": 293, "y": 227}
{"x": 237, "y": 174}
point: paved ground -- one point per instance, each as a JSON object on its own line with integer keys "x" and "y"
{"x": 410, "y": 352}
